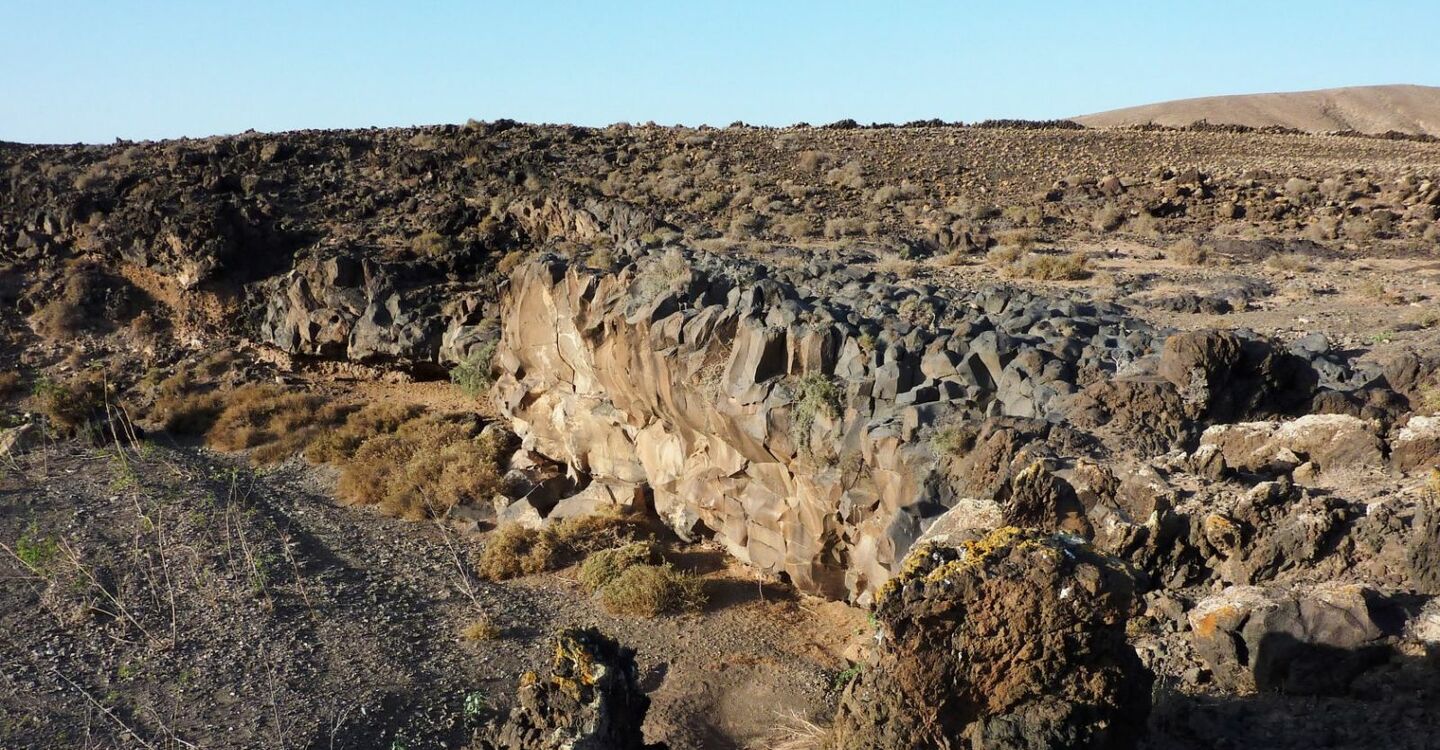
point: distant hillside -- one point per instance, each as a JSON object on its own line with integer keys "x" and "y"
{"x": 1367, "y": 109}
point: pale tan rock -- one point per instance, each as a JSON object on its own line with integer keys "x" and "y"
{"x": 698, "y": 404}
{"x": 1329, "y": 441}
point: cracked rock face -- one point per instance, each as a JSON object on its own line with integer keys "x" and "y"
{"x": 1016, "y": 640}
{"x": 771, "y": 410}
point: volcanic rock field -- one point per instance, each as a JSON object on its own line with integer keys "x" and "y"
{"x": 1008, "y": 435}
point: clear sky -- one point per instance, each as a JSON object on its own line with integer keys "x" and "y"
{"x": 83, "y": 70}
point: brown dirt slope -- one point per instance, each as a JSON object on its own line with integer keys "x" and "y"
{"x": 1367, "y": 109}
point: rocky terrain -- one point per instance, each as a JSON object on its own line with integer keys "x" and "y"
{"x": 1374, "y": 110}
{"x": 1013, "y": 435}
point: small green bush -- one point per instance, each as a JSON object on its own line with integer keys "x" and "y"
{"x": 472, "y": 376}
{"x": 36, "y": 550}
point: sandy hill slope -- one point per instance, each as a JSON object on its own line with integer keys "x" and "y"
{"x": 1368, "y": 109}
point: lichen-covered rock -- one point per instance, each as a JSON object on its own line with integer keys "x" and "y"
{"x": 1016, "y": 640}
{"x": 588, "y": 701}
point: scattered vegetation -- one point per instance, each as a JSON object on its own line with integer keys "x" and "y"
{"x": 653, "y": 590}
{"x": 36, "y": 550}
{"x": 847, "y": 676}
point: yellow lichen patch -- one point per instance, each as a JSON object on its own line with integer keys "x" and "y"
{"x": 982, "y": 551}
{"x": 574, "y": 667}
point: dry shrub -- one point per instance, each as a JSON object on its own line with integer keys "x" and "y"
{"x": 843, "y": 227}
{"x": 652, "y": 590}
{"x": 1004, "y": 255}
{"x": 430, "y": 245}
{"x": 1070, "y": 267}
{"x": 1021, "y": 239}
{"x": 338, "y": 444}
{"x": 851, "y": 175}
{"x": 425, "y": 467}
{"x": 1023, "y": 216}
{"x": 514, "y": 550}
{"x": 897, "y": 265}
{"x": 1290, "y": 262}
{"x": 796, "y": 227}
{"x": 1188, "y": 252}
{"x": 606, "y": 565}
{"x": 75, "y": 408}
{"x": 1107, "y": 218}
{"x": 10, "y": 384}
{"x": 480, "y": 629}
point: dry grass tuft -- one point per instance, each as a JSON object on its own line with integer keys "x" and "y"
{"x": 513, "y": 551}
{"x": 272, "y": 421}
{"x": 425, "y": 467}
{"x": 653, "y": 590}
{"x": 337, "y": 444}
{"x": 480, "y": 629}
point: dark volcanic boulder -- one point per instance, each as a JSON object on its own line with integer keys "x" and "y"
{"x": 589, "y": 701}
{"x": 1222, "y": 376}
{"x": 1013, "y": 641}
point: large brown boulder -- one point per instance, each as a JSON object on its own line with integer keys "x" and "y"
{"x": 1222, "y": 376}
{"x": 589, "y": 701}
{"x": 1013, "y": 641}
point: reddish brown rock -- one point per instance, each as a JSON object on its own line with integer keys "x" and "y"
{"x": 1013, "y": 641}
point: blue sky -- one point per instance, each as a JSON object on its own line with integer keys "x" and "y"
{"x": 77, "y": 70}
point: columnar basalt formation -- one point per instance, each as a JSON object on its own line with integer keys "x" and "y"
{"x": 787, "y": 413}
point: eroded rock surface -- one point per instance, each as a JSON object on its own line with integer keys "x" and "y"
{"x": 1013, "y": 641}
